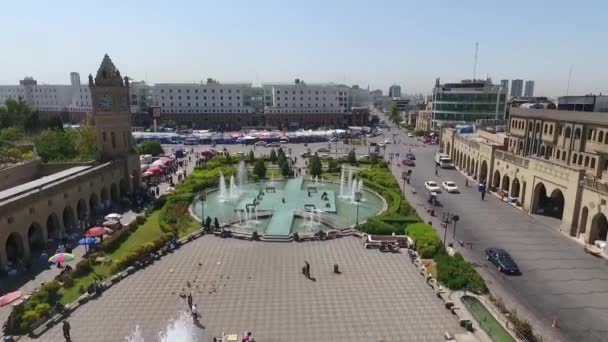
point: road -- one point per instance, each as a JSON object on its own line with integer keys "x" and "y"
{"x": 559, "y": 280}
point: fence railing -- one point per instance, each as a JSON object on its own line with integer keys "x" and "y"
{"x": 511, "y": 158}
{"x": 595, "y": 184}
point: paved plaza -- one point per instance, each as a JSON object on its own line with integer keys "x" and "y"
{"x": 240, "y": 285}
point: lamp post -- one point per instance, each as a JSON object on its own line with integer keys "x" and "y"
{"x": 358, "y": 197}
{"x": 455, "y": 218}
{"x": 202, "y": 197}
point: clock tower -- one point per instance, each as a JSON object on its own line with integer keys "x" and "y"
{"x": 110, "y": 99}
{"x": 112, "y": 118}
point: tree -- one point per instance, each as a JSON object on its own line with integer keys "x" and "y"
{"x": 31, "y": 122}
{"x": 216, "y": 223}
{"x": 373, "y": 158}
{"x": 260, "y": 168}
{"x": 333, "y": 166}
{"x": 208, "y": 223}
{"x": 352, "y": 158}
{"x": 284, "y": 165}
{"x": 273, "y": 156}
{"x": 420, "y": 133}
{"x": 315, "y": 166}
{"x": 150, "y": 147}
{"x": 13, "y": 113}
{"x": 394, "y": 114}
{"x": 87, "y": 142}
{"x": 280, "y": 153}
{"x": 56, "y": 145}
{"x": 251, "y": 157}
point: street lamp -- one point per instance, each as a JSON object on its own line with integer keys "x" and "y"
{"x": 358, "y": 197}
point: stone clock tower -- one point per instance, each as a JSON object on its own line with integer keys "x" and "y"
{"x": 110, "y": 100}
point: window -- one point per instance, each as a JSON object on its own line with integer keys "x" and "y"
{"x": 550, "y": 129}
{"x": 557, "y": 154}
{"x": 593, "y": 163}
{"x": 589, "y": 134}
{"x": 600, "y": 137}
{"x": 568, "y": 132}
{"x": 577, "y": 133}
{"x": 104, "y": 136}
{"x": 587, "y": 161}
{"x": 580, "y": 159}
{"x": 574, "y": 158}
{"x": 545, "y": 128}
{"x": 606, "y": 139}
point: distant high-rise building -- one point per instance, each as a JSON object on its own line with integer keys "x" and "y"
{"x": 75, "y": 79}
{"x": 394, "y": 91}
{"x": 529, "y": 90}
{"x": 517, "y": 87}
{"x": 504, "y": 84}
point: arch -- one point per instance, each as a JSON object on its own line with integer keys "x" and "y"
{"x": 557, "y": 154}
{"x": 592, "y": 163}
{"x": 568, "y": 132}
{"x": 93, "y": 204}
{"x": 606, "y": 139}
{"x": 483, "y": 174}
{"x": 515, "y": 188}
{"x": 506, "y": 183}
{"x": 600, "y": 137}
{"x": 114, "y": 192}
{"x": 537, "y": 127}
{"x": 14, "y": 247}
{"x": 542, "y": 150}
{"x": 520, "y": 147}
{"x": 586, "y": 161}
{"x": 124, "y": 187}
{"x": 82, "y": 210}
{"x": 105, "y": 197}
{"x": 599, "y": 228}
{"x": 552, "y": 206}
{"x": 496, "y": 180}
{"x": 577, "y": 133}
{"x": 69, "y": 221}
{"x": 582, "y": 227}
{"x": 53, "y": 226}
{"x": 574, "y": 158}
{"x": 580, "y": 159}
{"x": 35, "y": 237}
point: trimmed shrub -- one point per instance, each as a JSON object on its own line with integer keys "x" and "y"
{"x": 83, "y": 268}
{"x": 43, "y": 309}
{"x": 427, "y": 241}
{"x": 458, "y": 274}
{"x": 114, "y": 241}
{"x": 376, "y": 227}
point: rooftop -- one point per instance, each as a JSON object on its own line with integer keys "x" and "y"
{"x": 562, "y": 115}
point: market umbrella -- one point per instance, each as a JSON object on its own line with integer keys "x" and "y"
{"x": 87, "y": 241}
{"x": 61, "y": 258}
{"x": 155, "y": 170}
{"x": 97, "y": 232}
{"x": 113, "y": 216}
{"x": 10, "y": 297}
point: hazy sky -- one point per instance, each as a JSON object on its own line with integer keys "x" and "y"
{"x": 373, "y": 43}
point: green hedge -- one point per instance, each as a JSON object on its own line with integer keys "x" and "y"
{"x": 38, "y": 306}
{"x": 458, "y": 274}
{"x": 114, "y": 241}
{"x": 140, "y": 252}
{"x": 428, "y": 243}
{"x": 375, "y": 226}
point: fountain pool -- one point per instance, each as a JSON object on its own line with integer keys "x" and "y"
{"x": 277, "y": 201}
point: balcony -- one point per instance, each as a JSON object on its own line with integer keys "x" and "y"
{"x": 595, "y": 184}
{"x": 511, "y": 158}
{"x": 592, "y": 146}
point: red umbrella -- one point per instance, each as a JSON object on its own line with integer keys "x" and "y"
{"x": 155, "y": 170}
{"x": 97, "y": 232}
{"x": 10, "y": 297}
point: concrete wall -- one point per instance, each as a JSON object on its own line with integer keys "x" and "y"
{"x": 18, "y": 174}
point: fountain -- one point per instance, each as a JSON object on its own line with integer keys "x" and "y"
{"x": 180, "y": 329}
{"x": 322, "y": 181}
{"x": 341, "y": 183}
{"x": 360, "y": 187}
{"x": 350, "y": 183}
{"x": 222, "y": 187}
{"x": 316, "y": 180}
{"x": 241, "y": 174}
{"x": 271, "y": 179}
{"x": 353, "y": 190}
{"x": 233, "y": 190}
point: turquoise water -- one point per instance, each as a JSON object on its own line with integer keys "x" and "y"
{"x": 283, "y": 198}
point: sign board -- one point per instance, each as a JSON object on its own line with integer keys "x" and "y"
{"x": 155, "y": 112}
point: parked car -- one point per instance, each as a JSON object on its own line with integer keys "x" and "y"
{"x": 323, "y": 150}
{"x": 410, "y": 156}
{"x": 449, "y": 186}
{"x": 410, "y": 135}
{"x": 274, "y": 144}
{"x": 261, "y": 143}
{"x": 432, "y": 186}
{"x": 408, "y": 162}
{"x": 502, "y": 260}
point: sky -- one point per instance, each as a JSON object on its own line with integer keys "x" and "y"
{"x": 369, "y": 43}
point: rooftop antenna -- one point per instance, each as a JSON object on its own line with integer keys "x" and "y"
{"x": 475, "y": 62}
{"x": 569, "y": 78}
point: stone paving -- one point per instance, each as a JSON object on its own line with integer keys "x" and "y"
{"x": 240, "y": 285}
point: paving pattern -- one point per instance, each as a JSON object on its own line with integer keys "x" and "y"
{"x": 242, "y": 285}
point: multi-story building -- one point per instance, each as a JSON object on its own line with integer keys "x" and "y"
{"x": 552, "y": 163}
{"x": 302, "y": 104}
{"x": 394, "y": 91}
{"x": 586, "y": 103}
{"x": 517, "y": 87}
{"x": 529, "y": 90}
{"x": 505, "y": 85}
{"x": 206, "y": 105}
{"x": 70, "y": 102}
{"x": 467, "y": 101}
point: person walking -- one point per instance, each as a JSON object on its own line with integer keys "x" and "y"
{"x": 66, "y": 331}
{"x": 190, "y": 299}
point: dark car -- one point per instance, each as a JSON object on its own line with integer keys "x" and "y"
{"x": 408, "y": 162}
{"x": 502, "y": 260}
{"x": 410, "y": 156}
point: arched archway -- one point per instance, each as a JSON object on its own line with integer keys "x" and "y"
{"x": 552, "y": 206}
{"x": 599, "y": 228}
{"x": 81, "y": 209}
{"x": 496, "y": 180}
{"x": 93, "y": 204}
{"x": 506, "y": 183}
{"x": 515, "y": 188}
{"x": 124, "y": 188}
{"x": 69, "y": 222}
{"x": 35, "y": 237}
{"x": 105, "y": 197}
{"x": 53, "y": 227}
{"x": 114, "y": 192}
{"x": 582, "y": 227}
{"x": 14, "y": 247}
{"x": 483, "y": 175}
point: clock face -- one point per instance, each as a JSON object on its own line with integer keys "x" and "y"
{"x": 105, "y": 103}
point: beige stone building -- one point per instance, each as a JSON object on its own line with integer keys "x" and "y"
{"x": 551, "y": 163}
{"x": 40, "y": 203}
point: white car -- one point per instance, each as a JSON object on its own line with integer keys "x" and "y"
{"x": 410, "y": 135}
{"x": 381, "y": 144}
{"x": 386, "y": 142}
{"x": 449, "y": 186}
{"x": 432, "y": 186}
